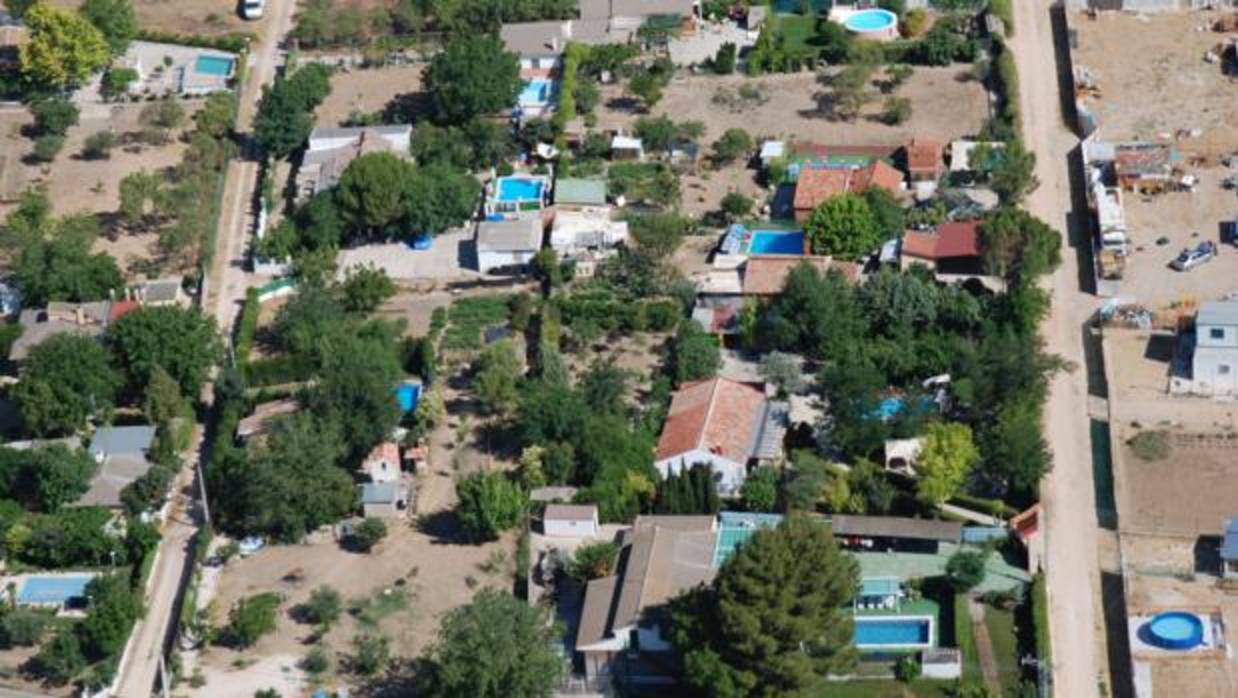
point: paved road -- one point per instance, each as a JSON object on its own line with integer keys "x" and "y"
{"x": 1067, "y": 493}
{"x": 226, "y": 287}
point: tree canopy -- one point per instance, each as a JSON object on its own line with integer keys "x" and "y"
{"x": 947, "y": 456}
{"x": 775, "y": 621}
{"x": 489, "y": 504}
{"x": 285, "y": 114}
{"x": 63, "y": 50}
{"x": 115, "y": 19}
{"x": 497, "y": 646}
{"x": 68, "y": 378}
{"x": 1019, "y": 247}
{"x": 53, "y": 255}
{"x": 470, "y": 77}
{"x": 843, "y": 226}
{"x": 181, "y": 341}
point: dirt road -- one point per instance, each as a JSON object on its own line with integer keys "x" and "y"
{"x": 1067, "y": 494}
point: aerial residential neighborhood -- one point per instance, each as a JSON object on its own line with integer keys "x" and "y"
{"x": 553, "y": 348}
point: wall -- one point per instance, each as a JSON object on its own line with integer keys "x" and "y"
{"x": 733, "y": 474}
{"x": 570, "y": 529}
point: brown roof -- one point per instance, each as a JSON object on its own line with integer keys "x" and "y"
{"x": 948, "y": 240}
{"x": 595, "y": 616}
{"x": 924, "y": 155}
{"x": 816, "y": 184}
{"x": 765, "y": 275}
{"x": 717, "y": 415}
{"x": 820, "y": 151}
{"x": 897, "y": 527}
{"x": 570, "y": 512}
{"x": 661, "y": 562}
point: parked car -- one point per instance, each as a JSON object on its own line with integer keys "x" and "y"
{"x": 252, "y": 9}
{"x": 1191, "y": 258}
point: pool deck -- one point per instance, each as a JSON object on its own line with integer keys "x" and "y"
{"x": 1000, "y": 575}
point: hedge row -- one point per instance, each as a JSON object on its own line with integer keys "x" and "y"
{"x": 233, "y": 43}
{"x": 992, "y": 507}
{"x": 246, "y": 327}
{"x": 1006, "y": 75}
{"x": 277, "y": 370}
{"x": 1003, "y": 10}
{"x": 963, "y": 636}
{"x": 610, "y": 314}
{"x": 566, "y": 109}
{"x": 1040, "y": 618}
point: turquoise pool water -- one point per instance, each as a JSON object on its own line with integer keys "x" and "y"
{"x": 535, "y": 92}
{"x": 519, "y": 189}
{"x": 892, "y": 632}
{"x": 53, "y": 588}
{"x": 776, "y": 242}
{"x": 213, "y": 65}
{"x": 407, "y": 395}
{"x": 871, "y": 20}
{"x": 1174, "y": 630}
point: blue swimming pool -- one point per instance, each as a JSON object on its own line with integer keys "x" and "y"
{"x": 407, "y": 395}
{"x": 866, "y": 21}
{"x": 900, "y": 631}
{"x": 520, "y": 189}
{"x": 214, "y": 65}
{"x": 1174, "y": 630}
{"x": 776, "y": 242}
{"x": 536, "y": 92}
{"x": 53, "y": 589}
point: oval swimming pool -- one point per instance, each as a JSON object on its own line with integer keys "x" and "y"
{"x": 872, "y": 22}
{"x": 1174, "y": 630}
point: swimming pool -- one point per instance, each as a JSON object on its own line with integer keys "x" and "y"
{"x": 1174, "y": 630}
{"x": 214, "y": 65}
{"x": 520, "y": 189}
{"x": 776, "y": 242}
{"x": 407, "y": 395}
{"x": 871, "y": 21}
{"x": 53, "y": 589}
{"x": 893, "y": 631}
{"x": 535, "y": 93}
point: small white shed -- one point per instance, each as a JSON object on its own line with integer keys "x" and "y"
{"x": 571, "y": 521}
{"x": 508, "y": 244}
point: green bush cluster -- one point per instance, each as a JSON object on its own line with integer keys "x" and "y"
{"x": 236, "y": 42}
{"x": 1040, "y": 618}
{"x": 247, "y": 327}
{"x": 1003, "y": 10}
{"x": 1006, "y": 80}
{"x": 467, "y": 317}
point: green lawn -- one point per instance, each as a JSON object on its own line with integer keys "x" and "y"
{"x": 799, "y": 31}
{"x": 920, "y": 688}
{"x": 1002, "y": 635}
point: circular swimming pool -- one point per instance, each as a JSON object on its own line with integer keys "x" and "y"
{"x": 1174, "y": 630}
{"x": 873, "y": 23}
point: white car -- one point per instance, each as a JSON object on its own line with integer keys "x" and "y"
{"x": 252, "y": 9}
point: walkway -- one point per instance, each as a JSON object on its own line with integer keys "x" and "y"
{"x": 984, "y": 647}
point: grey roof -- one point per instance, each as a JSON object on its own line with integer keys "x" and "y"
{"x": 1229, "y": 547}
{"x": 773, "y": 429}
{"x": 161, "y": 290}
{"x": 518, "y": 235}
{"x": 650, "y": 8}
{"x": 595, "y": 615}
{"x": 577, "y": 190}
{"x": 897, "y": 527}
{"x": 571, "y": 512}
{"x": 378, "y": 492}
{"x": 114, "y": 474}
{"x": 356, "y": 131}
{"x": 120, "y": 441}
{"x": 39, "y": 325}
{"x": 535, "y": 38}
{"x": 1217, "y": 313}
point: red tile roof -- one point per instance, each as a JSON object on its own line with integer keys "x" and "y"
{"x": 765, "y": 275}
{"x": 924, "y": 155}
{"x": 718, "y": 415}
{"x": 948, "y": 240}
{"x": 385, "y": 452}
{"x": 120, "y": 309}
{"x": 816, "y": 184}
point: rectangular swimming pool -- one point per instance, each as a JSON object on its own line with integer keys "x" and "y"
{"x": 776, "y": 242}
{"x": 536, "y": 93}
{"x": 520, "y": 189}
{"x": 893, "y": 631}
{"x": 213, "y": 65}
{"x": 53, "y": 589}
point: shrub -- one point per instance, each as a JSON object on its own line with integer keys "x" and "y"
{"x": 371, "y": 654}
{"x": 724, "y": 61}
{"x": 1040, "y": 618}
{"x": 734, "y": 144}
{"x": 23, "y": 628}
{"x": 116, "y": 82}
{"x": 54, "y": 115}
{"x": 1150, "y": 445}
{"x": 915, "y": 21}
{"x": 247, "y": 327}
{"x": 965, "y": 569}
{"x": 251, "y": 618}
{"x": 896, "y": 111}
{"x": 323, "y": 606}
{"x": 907, "y": 669}
{"x": 315, "y": 661}
{"x": 47, "y": 147}
{"x": 98, "y": 146}
{"x": 735, "y": 205}
{"x": 1003, "y": 10}
{"x": 593, "y": 561}
{"x": 368, "y": 533}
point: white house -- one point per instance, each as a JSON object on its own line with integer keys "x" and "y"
{"x": 570, "y": 521}
{"x": 1214, "y": 364}
{"x": 725, "y": 424}
{"x": 383, "y": 463}
{"x": 507, "y": 244}
{"x": 329, "y": 151}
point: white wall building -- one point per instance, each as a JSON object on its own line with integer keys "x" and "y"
{"x": 570, "y": 521}
{"x": 1214, "y": 364}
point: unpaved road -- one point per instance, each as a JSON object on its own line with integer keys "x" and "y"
{"x": 1071, "y": 538}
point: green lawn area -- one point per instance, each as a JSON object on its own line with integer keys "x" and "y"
{"x": 1004, "y": 639}
{"x": 799, "y": 30}
{"x": 920, "y": 688}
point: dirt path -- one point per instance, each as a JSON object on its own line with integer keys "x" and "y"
{"x": 1067, "y": 493}
{"x": 984, "y": 647}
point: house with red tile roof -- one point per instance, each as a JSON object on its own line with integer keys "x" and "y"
{"x": 816, "y": 183}
{"x": 383, "y": 463}
{"x": 924, "y": 159}
{"x": 765, "y": 275}
{"x": 950, "y": 248}
{"x": 723, "y": 423}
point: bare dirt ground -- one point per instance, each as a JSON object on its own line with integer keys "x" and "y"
{"x": 1152, "y": 75}
{"x": 367, "y": 91}
{"x": 206, "y": 17}
{"x": 1137, "y": 374}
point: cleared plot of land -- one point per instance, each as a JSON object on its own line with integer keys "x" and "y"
{"x": 366, "y": 91}
{"x": 1137, "y": 375}
{"x": 1152, "y": 76}
{"x": 204, "y": 17}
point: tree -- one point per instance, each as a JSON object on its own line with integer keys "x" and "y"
{"x": 775, "y": 621}
{"x": 116, "y": 82}
{"x": 472, "y": 77}
{"x": 368, "y": 534}
{"x": 489, "y": 504}
{"x": 159, "y": 118}
{"x": 54, "y": 115}
{"x": 497, "y": 646}
{"x": 965, "y": 570}
{"x": 782, "y": 370}
{"x": 251, "y": 618}
{"x": 547, "y": 269}
{"x": 114, "y": 608}
{"x": 1013, "y": 174}
{"x": 323, "y": 607}
{"x": 497, "y": 378}
{"x": 285, "y": 116}
{"x": 366, "y": 288}
{"x": 63, "y": 48}
{"x": 887, "y": 212}
{"x": 371, "y": 654}
{"x": 1015, "y": 451}
{"x": 843, "y": 226}
{"x": 760, "y": 490}
{"x": 735, "y": 205}
{"x": 851, "y": 91}
{"x": 1017, "y": 246}
{"x": 647, "y": 87}
{"x": 181, "y": 341}
{"x": 659, "y": 234}
{"x": 732, "y": 145}
{"x": 140, "y": 195}
{"x": 594, "y": 561}
{"x": 60, "y": 660}
{"x": 439, "y": 197}
{"x": 114, "y": 19}
{"x": 68, "y": 378}
{"x": 694, "y": 353}
{"x": 371, "y": 192}
{"x": 896, "y": 110}
{"x": 724, "y": 60}
{"x": 947, "y": 457}
{"x": 98, "y": 145}
{"x": 47, "y": 147}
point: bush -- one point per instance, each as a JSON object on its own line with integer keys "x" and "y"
{"x": 251, "y": 618}
{"x": 23, "y": 628}
{"x": 116, "y": 82}
{"x": 47, "y": 147}
{"x": 54, "y": 115}
{"x": 98, "y": 146}
{"x": 1040, "y": 618}
{"x": 907, "y": 669}
{"x": 963, "y": 636}
{"x": 1150, "y": 446}
{"x": 323, "y": 607}
{"x": 371, "y": 654}
{"x": 734, "y": 144}
{"x": 315, "y": 661}
{"x": 724, "y": 61}
{"x": 735, "y": 205}
{"x": 965, "y": 570}
{"x": 1003, "y": 10}
{"x": 593, "y": 561}
{"x": 368, "y": 533}
{"x": 897, "y": 110}
{"x": 247, "y": 327}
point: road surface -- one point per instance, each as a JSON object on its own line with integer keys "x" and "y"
{"x": 1071, "y": 539}
{"x": 226, "y": 286}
